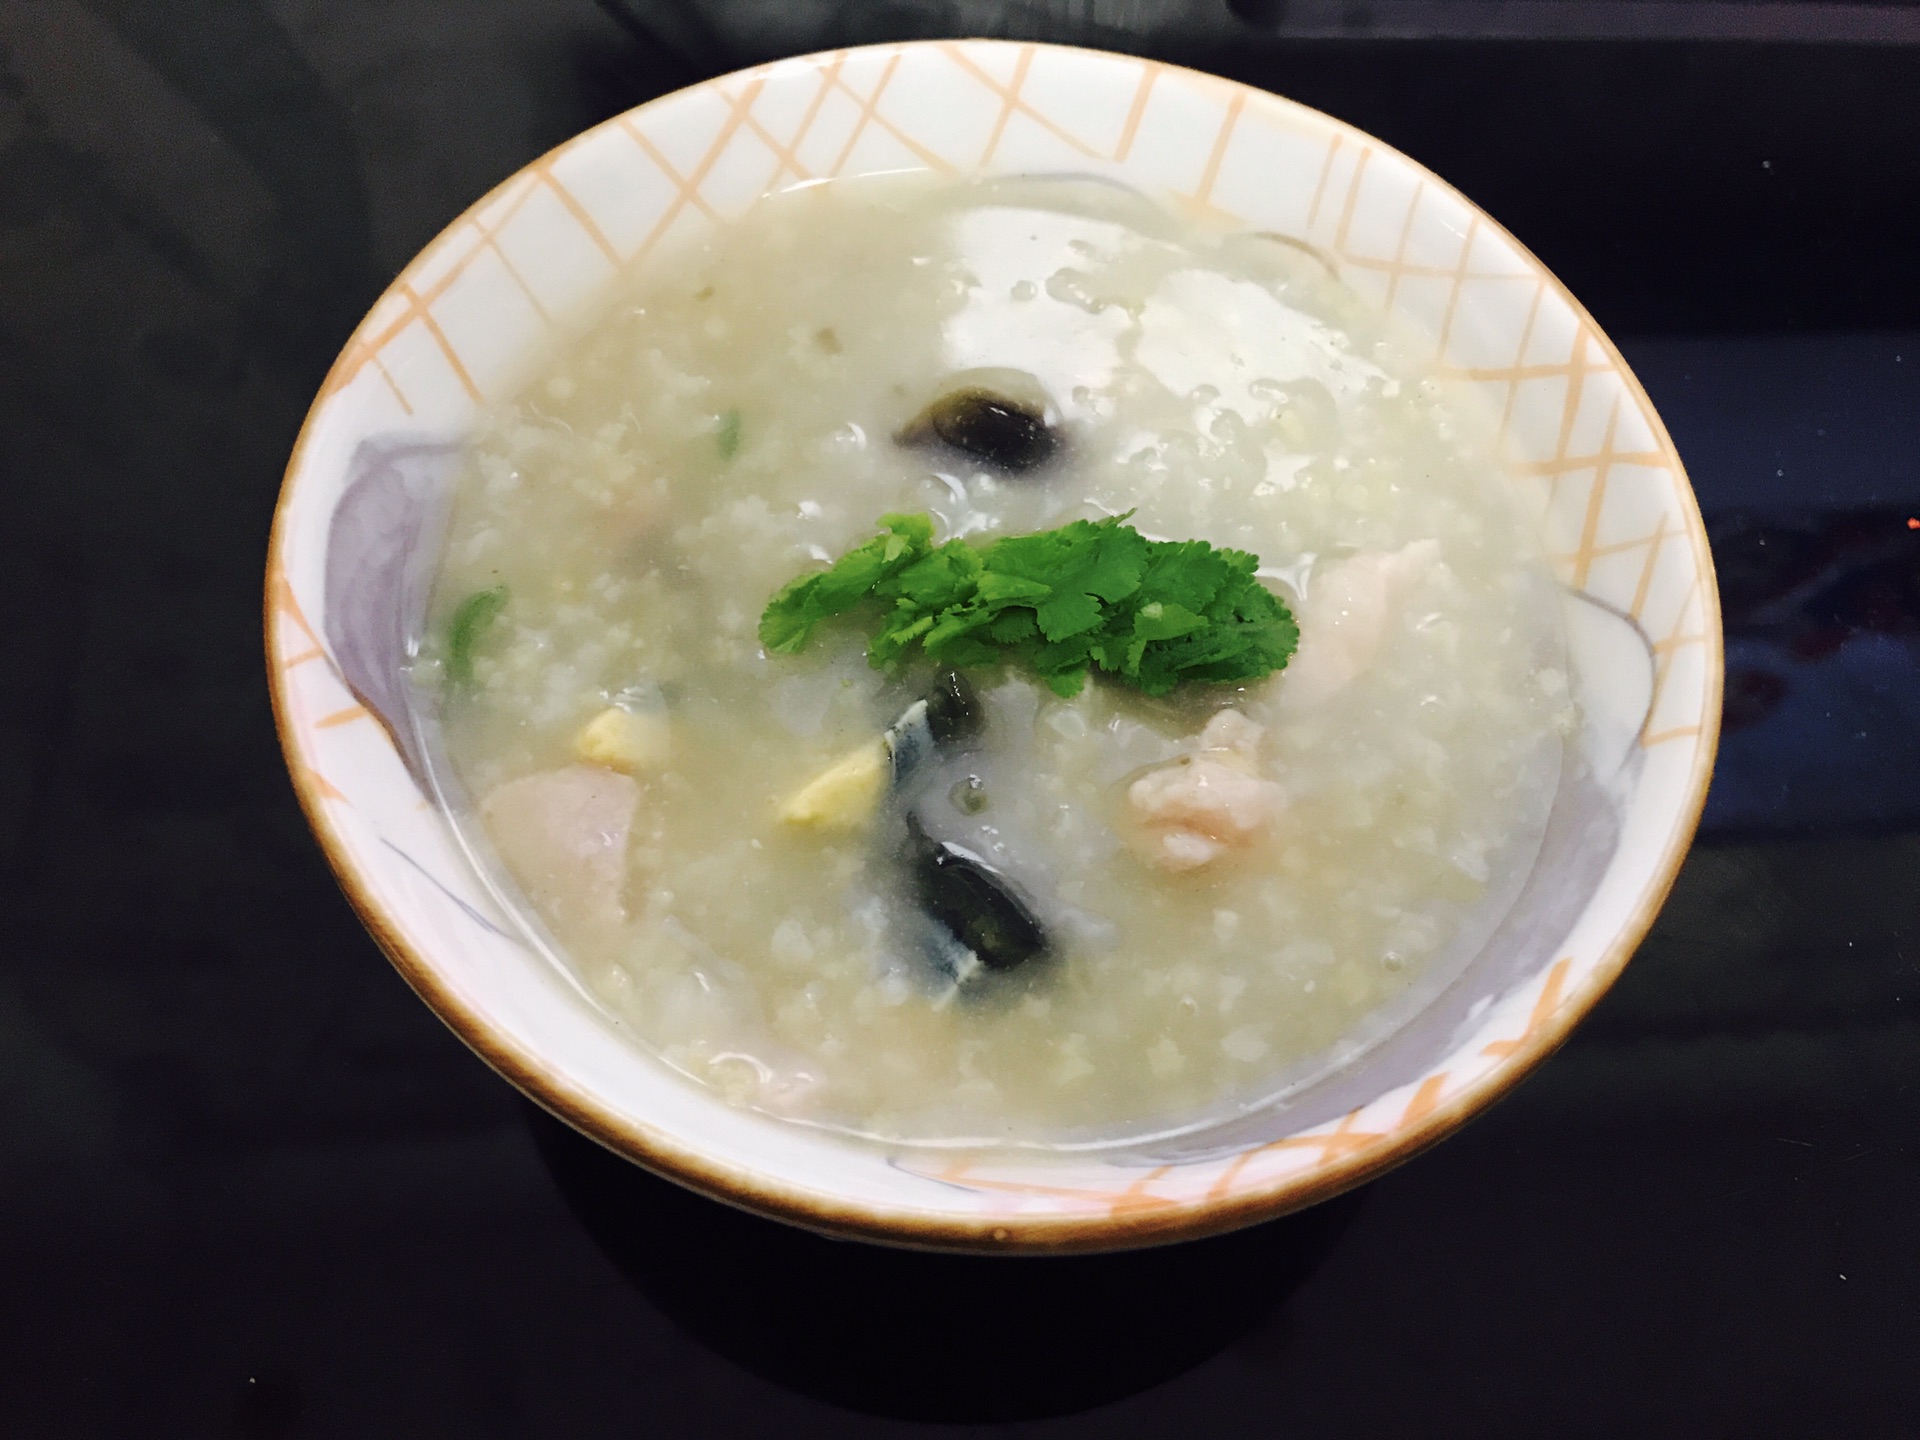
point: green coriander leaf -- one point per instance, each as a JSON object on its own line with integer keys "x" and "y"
{"x": 1084, "y": 564}
{"x": 1000, "y": 590}
{"x": 948, "y": 576}
{"x": 1093, "y": 594}
{"x": 1159, "y": 620}
{"x": 788, "y": 621}
{"x": 472, "y": 618}
{"x": 1013, "y": 626}
{"x": 1068, "y": 615}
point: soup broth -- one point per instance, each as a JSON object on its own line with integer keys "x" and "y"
{"x": 1233, "y": 887}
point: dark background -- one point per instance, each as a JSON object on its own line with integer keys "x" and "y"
{"x": 250, "y": 1187}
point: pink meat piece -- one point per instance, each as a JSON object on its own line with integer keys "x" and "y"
{"x": 1202, "y": 805}
{"x": 1344, "y": 619}
{"x": 563, "y": 834}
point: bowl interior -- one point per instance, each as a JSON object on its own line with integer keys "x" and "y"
{"x": 352, "y": 551}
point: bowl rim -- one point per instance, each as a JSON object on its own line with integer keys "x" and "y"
{"x": 821, "y": 1210}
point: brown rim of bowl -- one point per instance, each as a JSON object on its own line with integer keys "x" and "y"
{"x": 822, "y": 1212}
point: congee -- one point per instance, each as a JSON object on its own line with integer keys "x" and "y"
{"x": 995, "y": 661}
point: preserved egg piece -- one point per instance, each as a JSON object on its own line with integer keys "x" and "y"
{"x": 953, "y": 709}
{"x": 972, "y": 902}
{"x": 1008, "y": 434}
{"x": 951, "y": 958}
{"x": 951, "y": 712}
{"x": 848, "y": 793}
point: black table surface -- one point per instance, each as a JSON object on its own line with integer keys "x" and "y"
{"x": 250, "y": 1187}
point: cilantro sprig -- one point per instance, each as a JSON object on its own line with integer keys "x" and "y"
{"x": 1091, "y": 595}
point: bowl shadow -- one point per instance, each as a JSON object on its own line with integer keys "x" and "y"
{"x": 917, "y": 1336}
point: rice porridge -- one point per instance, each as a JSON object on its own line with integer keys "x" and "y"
{"x": 991, "y": 899}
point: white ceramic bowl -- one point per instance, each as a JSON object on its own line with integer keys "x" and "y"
{"x": 344, "y": 587}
